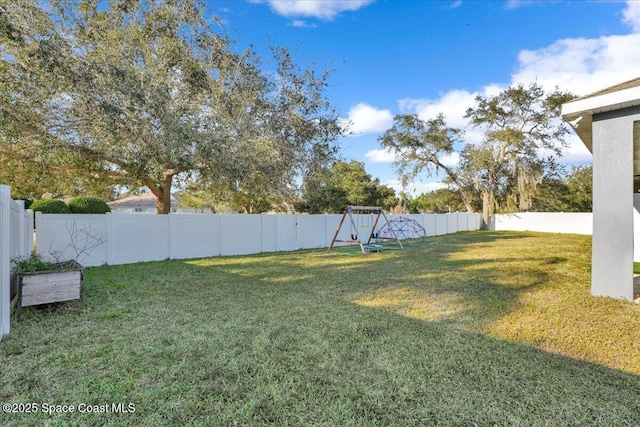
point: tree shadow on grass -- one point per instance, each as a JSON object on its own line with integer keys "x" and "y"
{"x": 454, "y": 278}
{"x": 379, "y": 368}
{"x": 471, "y": 279}
{"x": 489, "y": 282}
{"x": 277, "y": 339}
{"x": 433, "y": 281}
{"x": 320, "y": 362}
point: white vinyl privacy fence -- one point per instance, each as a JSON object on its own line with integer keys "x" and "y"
{"x": 16, "y": 240}
{"x": 123, "y": 238}
{"x": 547, "y": 222}
{"x": 559, "y": 222}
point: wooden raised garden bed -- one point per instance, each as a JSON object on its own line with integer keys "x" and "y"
{"x": 45, "y": 287}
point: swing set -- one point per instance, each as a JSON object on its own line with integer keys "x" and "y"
{"x": 364, "y": 217}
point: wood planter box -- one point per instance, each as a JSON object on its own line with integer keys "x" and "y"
{"x": 44, "y": 287}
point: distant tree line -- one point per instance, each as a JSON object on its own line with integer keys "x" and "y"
{"x": 558, "y": 191}
{"x": 330, "y": 190}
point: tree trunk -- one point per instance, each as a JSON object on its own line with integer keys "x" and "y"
{"x": 163, "y": 202}
{"x": 466, "y": 200}
{"x": 486, "y": 211}
{"x": 162, "y": 191}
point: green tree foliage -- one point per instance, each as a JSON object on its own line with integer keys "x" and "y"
{"x": 88, "y": 205}
{"x": 441, "y": 200}
{"x": 149, "y": 94}
{"x": 420, "y": 145}
{"x": 252, "y": 199}
{"x": 565, "y": 192}
{"x": 580, "y": 186}
{"x": 50, "y": 206}
{"x": 31, "y": 164}
{"x": 36, "y": 174}
{"x": 331, "y": 190}
{"x": 519, "y": 124}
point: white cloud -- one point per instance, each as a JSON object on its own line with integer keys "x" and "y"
{"x": 515, "y": 4}
{"x": 451, "y": 160}
{"x": 364, "y": 118}
{"x": 632, "y": 15}
{"x": 386, "y": 156}
{"x": 415, "y": 188}
{"x": 578, "y": 65}
{"x": 322, "y": 9}
{"x": 302, "y": 24}
{"x": 581, "y": 65}
{"x": 577, "y": 152}
{"x": 380, "y": 156}
{"x": 453, "y": 105}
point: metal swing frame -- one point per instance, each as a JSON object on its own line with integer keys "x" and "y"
{"x": 364, "y": 246}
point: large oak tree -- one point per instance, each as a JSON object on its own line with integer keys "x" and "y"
{"x": 522, "y": 135}
{"x": 150, "y": 93}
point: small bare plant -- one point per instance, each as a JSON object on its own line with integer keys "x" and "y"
{"x": 82, "y": 241}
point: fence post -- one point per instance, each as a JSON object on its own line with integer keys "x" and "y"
{"x": 220, "y": 225}
{"x": 262, "y": 233}
{"x": 30, "y": 231}
{"x": 108, "y": 228}
{"x": 21, "y": 242}
{"x": 38, "y": 222}
{"x": 5, "y": 255}
{"x": 170, "y": 255}
{"x": 326, "y": 230}
{"x": 296, "y": 231}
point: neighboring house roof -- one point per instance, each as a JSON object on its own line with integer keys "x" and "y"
{"x": 579, "y": 112}
{"x": 143, "y": 201}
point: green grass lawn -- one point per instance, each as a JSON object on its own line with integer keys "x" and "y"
{"x": 478, "y": 328}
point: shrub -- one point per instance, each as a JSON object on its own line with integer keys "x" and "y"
{"x": 88, "y": 205}
{"x": 50, "y": 206}
{"x": 33, "y": 262}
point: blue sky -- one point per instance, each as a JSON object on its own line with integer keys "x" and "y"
{"x": 420, "y": 56}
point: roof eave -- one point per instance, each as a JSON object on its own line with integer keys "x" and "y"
{"x": 579, "y": 112}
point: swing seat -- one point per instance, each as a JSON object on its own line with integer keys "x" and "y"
{"x": 359, "y": 223}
